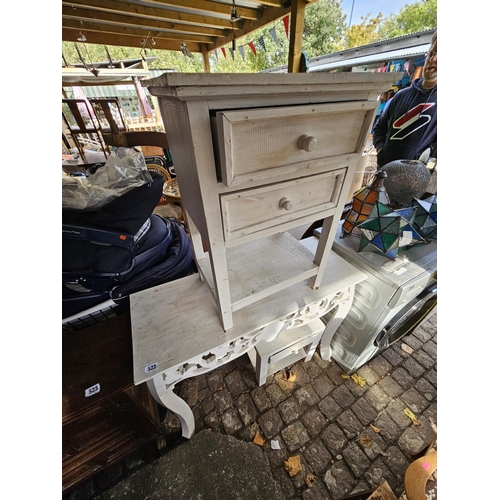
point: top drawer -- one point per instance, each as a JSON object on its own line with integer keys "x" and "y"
{"x": 257, "y": 143}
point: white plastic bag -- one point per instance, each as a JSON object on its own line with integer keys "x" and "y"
{"x": 125, "y": 169}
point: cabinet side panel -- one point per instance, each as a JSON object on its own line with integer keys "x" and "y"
{"x": 177, "y": 125}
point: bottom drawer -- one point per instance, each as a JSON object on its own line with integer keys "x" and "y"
{"x": 246, "y": 212}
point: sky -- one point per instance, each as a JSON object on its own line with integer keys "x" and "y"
{"x": 365, "y": 7}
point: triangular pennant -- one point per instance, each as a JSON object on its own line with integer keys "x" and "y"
{"x": 261, "y": 43}
{"x": 216, "y": 52}
{"x": 272, "y": 32}
{"x": 223, "y": 50}
{"x": 231, "y": 51}
{"x": 285, "y": 23}
{"x": 252, "y": 47}
{"x": 242, "y": 52}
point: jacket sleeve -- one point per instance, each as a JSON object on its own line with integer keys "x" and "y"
{"x": 380, "y": 129}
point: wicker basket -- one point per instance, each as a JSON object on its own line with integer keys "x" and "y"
{"x": 364, "y": 174}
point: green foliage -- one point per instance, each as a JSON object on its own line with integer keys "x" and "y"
{"x": 364, "y": 33}
{"x": 268, "y": 54}
{"x": 324, "y": 26}
{"x": 166, "y": 59}
{"x": 324, "y": 23}
{"x": 418, "y": 16}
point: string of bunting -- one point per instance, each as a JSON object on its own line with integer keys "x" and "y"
{"x": 260, "y": 42}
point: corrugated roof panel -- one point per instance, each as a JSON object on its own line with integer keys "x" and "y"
{"x": 373, "y": 58}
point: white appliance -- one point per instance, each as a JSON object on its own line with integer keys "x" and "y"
{"x": 397, "y": 296}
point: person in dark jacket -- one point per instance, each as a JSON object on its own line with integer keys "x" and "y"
{"x": 408, "y": 125}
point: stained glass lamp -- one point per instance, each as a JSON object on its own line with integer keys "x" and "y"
{"x": 426, "y": 216}
{"x": 389, "y": 231}
{"x": 364, "y": 202}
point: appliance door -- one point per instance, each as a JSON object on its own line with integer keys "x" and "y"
{"x": 409, "y": 317}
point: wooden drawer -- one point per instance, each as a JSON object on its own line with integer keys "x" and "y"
{"x": 255, "y": 210}
{"x": 255, "y": 144}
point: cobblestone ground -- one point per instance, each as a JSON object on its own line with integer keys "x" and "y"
{"x": 349, "y": 436}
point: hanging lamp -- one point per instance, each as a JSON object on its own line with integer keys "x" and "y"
{"x": 364, "y": 201}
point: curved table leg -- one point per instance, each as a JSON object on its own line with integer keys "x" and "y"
{"x": 334, "y": 323}
{"x": 165, "y": 396}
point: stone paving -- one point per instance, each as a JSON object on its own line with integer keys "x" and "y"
{"x": 349, "y": 437}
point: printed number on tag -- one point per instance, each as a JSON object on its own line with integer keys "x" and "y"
{"x": 150, "y": 367}
{"x": 92, "y": 390}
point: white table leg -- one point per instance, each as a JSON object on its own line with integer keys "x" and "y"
{"x": 342, "y": 311}
{"x": 261, "y": 368}
{"x": 313, "y": 346}
{"x": 165, "y": 396}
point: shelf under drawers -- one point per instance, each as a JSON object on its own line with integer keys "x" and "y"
{"x": 263, "y": 267}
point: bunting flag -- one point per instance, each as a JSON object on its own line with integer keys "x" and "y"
{"x": 272, "y": 32}
{"x": 261, "y": 43}
{"x": 285, "y": 22}
{"x": 216, "y": 54}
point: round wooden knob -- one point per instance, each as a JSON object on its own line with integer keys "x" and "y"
{"x": 286, "y": 204}
{"x": 306, "y": 142}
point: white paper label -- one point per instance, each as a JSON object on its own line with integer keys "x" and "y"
{"x": 406, "y": 238}
{"x": 399, "y": 271}
{"x": 92, "y": 390}
{"x": 150, "y": 367}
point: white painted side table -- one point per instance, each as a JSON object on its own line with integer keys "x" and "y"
{"x": 177, "y": 334}
{"x": 257, "y": 155}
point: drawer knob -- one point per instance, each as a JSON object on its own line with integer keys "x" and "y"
{"x": 286, "y": 204}
{"x": 306, "y": 142}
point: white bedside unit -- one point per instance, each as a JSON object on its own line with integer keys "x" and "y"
{"x": 256, "y": 155}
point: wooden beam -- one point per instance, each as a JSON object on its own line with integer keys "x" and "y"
{"x": 200, "y": 8}
{"x": 157, "y": 35}
{"x": 106, "y": 6}
{"x": 296, "y": 32}
{"x": 117, "y": 21}
{"x": 99, "y": 38}
{"x": 206, "y": 60}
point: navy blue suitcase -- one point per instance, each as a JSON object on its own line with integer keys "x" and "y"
{"x": 121, "y": 249}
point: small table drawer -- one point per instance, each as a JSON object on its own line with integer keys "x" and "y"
{"x": 257, "y": 143}
{"x": 253, "y": 210}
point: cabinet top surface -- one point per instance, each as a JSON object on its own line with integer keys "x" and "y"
{"x": 267, "y": 78}
{"x": 180, "y": 83}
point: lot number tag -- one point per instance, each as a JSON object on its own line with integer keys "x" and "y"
{"x": 92, "y": 390}
{"x": 150, "y": 367}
